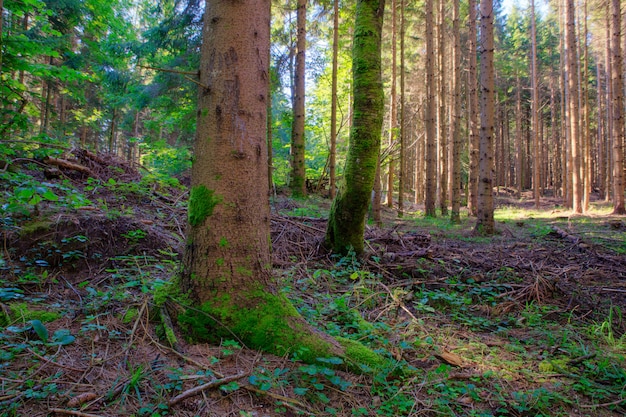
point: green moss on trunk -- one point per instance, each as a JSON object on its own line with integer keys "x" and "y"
{"x": 346, "y": 223}
{"x": 202, "y": 201}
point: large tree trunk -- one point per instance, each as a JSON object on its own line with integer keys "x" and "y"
{"x": 346, "y": 224}
{"x": 617, "y": 110}
{"x": 430, "y": 116}
{"x": 227, "y": 265}
{"x": 485, "y": 224}
{"x": 298, "y": 167}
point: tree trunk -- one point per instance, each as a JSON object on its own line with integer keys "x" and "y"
{"x": 298, "y": 167}
{"x": 617, "y": 110}
{"x": 393, "y": 119}
{"x": 227, "y": 265}
{"x": 573, "y": 105}
{"x": 535, "y": 105}
{"x": 403, "y": 131}
{"x": 332, "y": 164}
{"x": 430, "y": 116}
{"x": 346, "y": 223}
{"x": 472, "y": 99}
{"x": 455, "y": 215}
{"x": 441, "y": 116}
{"x": 485, "y": 224}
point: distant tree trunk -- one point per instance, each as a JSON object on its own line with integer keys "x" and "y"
{"x": 609, "y": 105}
{"x": 393, "y": 119}
{"x": 441, "y": 116}
{"x": 455, "y": 215}
{"x": 617, "y": 110}
{"x": 586, "y": 136}
{"x": 519, "y": 156}
{"x": 346, "y": 223}
{"x": 332, "y": 164}
{"x": 601, "y": 132}
{"x": 403, "y": 131}
{"x": 472, "y": 104}
{"x": 430, "y": 116}
{"x": 298, "y": 167}
{"x": 535, "y": 105}
{"x": 485, "y": 224}
{"x": 573, "y": 105}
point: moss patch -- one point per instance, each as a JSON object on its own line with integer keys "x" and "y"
{"x": 22, "y": 312}
{"x": 202, "y": 201}
{"x": 270, "y": 323}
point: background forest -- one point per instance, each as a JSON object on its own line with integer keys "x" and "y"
{"x": 98, "y": 107}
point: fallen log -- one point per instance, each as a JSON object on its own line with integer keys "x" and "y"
{"x": 62, "y": 163}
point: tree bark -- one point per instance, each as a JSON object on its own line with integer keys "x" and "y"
{"x": 298, "y": 166}
{"x": 332, "y": 164}
{"x": 472, "y": 189}
{"x": 393, "y": 119}
{"x": 455, "y": 214}
{"x": 485, "y": 224}
{"x": 227, "y": 265}
{"x": 346, "y": 223}
{"x": 617, "y": 110}
{"x": 535, "y": 105}
{"x": 430, "y": 116}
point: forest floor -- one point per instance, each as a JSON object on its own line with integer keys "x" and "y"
{"x": 526, "y": 323}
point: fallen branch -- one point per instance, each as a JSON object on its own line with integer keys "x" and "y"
{"x": 196, "y": 390}
{"x": 72, "y": 412}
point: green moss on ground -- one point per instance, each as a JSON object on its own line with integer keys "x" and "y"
{"x": 270, "y": 323}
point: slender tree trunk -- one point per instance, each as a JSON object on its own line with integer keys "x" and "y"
{"x": 430, "y": 116}
{"x": 402, "y": 126}
{"x": 535, "y": 105}
{"x": 601, "y": 132}
{"x": 485, "y": 224}
{"x": 472, "y": 99}
{"x": 393, "y": 119}
{"x": 332, "y": 164}
{"x": 617, "y": 110}
{"x": 298, "y": 167}
{"x": 455, "y": 110}
{"x": 441, "y": 118}
{"x": 573, "y": 105}
{"x": 586, "y": 136}
{"x": 519, "y": 156}
{"x": 347, "y": 214}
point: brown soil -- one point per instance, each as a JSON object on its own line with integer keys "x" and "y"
{"x": 122, "y": 365}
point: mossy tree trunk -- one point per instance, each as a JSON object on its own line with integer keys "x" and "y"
{"x": 227, "y": 265}
{"x": 346, "y": 223}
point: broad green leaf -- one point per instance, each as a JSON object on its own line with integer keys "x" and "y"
{"x": 40, "y": 329}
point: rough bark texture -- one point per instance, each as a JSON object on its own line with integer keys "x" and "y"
{"x": 472, "y": 189}
{"x": 429, "y": 116}
{"x": 227, "y": 266}
{"x": 347, "y": 216}
{"x": 618, "y": 116}
{"x": 332, "y": 164}
{"x": 393, "y": 119}
{"x": 298, "y": 167}
{"x": 455, "y": 214}
{"x": 534, "y": 105}
{"x": 485, "y": 224}
{"x": 573, "y": 106}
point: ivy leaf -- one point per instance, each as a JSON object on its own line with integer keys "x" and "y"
{"x": 62, "y": 337}
{"x": 40, "y": 329}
